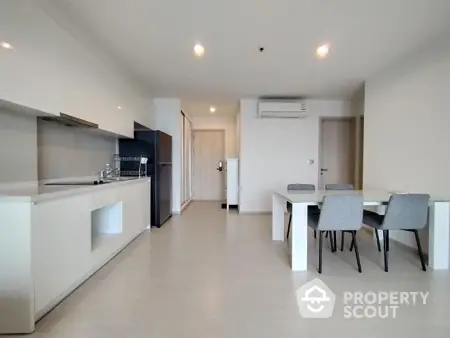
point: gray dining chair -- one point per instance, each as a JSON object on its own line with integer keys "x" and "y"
{"x": 311, "y": 208}
{"x": 408, "y": 212}
{"x": 343, "y": 187}
{"x": 339, "y": 213}
{"x": 339, "y": 186}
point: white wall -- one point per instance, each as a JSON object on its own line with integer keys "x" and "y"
{"x": 167, "y": 119}
{"x": 238, "y": 133}
{"x": 18, "y": 147}
{"x": 275, "y": 152}
{"x": 407, "y": 127}
{"x": 226, "y": 123}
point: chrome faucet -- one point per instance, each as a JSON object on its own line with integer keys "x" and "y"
{"x": 104, "y": 174}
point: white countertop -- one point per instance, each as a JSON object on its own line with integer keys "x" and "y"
{"x": 38, "y": 191}
{"x": 370, "y": 196}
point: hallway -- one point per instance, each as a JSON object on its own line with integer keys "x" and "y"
{"x": 212, "y": 274}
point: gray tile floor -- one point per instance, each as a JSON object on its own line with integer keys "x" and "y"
{"x": 209, "y": 274}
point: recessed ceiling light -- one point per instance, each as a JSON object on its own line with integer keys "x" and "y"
{"x": 199, "y": 50}
{"x": 6, "y": 45}
{"x": 212, "y": 109}
{"x": 119, "y": 107}
{"x": 323, "y": 51}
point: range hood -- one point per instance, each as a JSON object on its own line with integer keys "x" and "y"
{"x": 69, "y": 121}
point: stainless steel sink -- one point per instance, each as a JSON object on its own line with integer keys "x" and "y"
{"x": 120, "y": 179}
{"x": 79, "y": 183}
{"x": 104, "y": 181}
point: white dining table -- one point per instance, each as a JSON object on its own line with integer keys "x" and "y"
{"x": 439, "y": 219}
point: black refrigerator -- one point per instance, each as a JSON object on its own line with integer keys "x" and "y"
{"x": 157, "y": 147}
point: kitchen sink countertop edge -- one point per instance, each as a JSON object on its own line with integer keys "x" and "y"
{"x": 38, "y": 191}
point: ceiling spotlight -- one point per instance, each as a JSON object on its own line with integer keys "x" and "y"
{"x": 119, "y": 107}
{"x": 6, "y": 45}
{"x": 212, "y": 109}
{"x": 323, "y": 51}
{"x": 199, "y": 50}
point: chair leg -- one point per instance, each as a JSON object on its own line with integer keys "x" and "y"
{"x": 331, "y": 240}
{"x": 387, "y": 240}
{"x": 419, "y": 248}
{"x": 342, "y": 240}
{"x": 378, "y": 240}
{"x": 358, "y": 262}
{"x": 289, "y": 226}
{"x": 385, "y": 247}
{"x": 335, "y": 241}
{"x": 352, "y": 245}
{"x": 326, "y": 234}
{"x": 320, "y": 252}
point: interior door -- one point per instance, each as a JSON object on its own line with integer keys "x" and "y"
{"x": 337, "y": 152}
{"x": 209, "y": 149}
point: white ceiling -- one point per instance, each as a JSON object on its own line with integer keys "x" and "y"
{"x": 153, "y": 40}
{"x": 201, "y": 107}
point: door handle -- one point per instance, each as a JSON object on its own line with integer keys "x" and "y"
{"x": 220, "y": 166}
{"x": 323, "y": 169}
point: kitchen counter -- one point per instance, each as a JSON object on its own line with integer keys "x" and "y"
{"x": 53, "y": 238}
{"x": 38, "y": 191}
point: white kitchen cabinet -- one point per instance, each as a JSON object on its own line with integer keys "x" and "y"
{"x": 143, "y": 111}
{"x": 29, "y": 71}
{"x": 120, "y": 125}
{"x": 51, "y": 72}
{"x": 58, "y": 242}
{"x": 60, "y": 247}
{"x": 62, "y": 252}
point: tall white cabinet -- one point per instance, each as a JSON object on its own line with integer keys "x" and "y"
{"x": 49, "y": 72}
{"x": 232, "y": 182}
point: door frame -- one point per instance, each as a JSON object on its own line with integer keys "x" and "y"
{"x": 194, "y": 130}
{"x": 356, "y": 137}
{"x": 359, "y": 152}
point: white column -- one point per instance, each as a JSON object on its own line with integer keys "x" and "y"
{"x": 439, "y": 236}
{"x": 278, "y": 217}
{"x": 299, "y": 237}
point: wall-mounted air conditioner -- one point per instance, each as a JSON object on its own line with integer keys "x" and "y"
{"x": 282, "y": 109}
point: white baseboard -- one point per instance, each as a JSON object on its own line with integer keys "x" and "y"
{"x": 185, "y": 204}
{"x": 176, "y": 211}
{"x": 218, "y": 201}
{"x": 255, "y": 212}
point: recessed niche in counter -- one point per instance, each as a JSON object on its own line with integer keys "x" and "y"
{"x": 106, "y": 222}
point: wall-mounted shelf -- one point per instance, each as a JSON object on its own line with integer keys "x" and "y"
{"x": 105, "y": 223}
